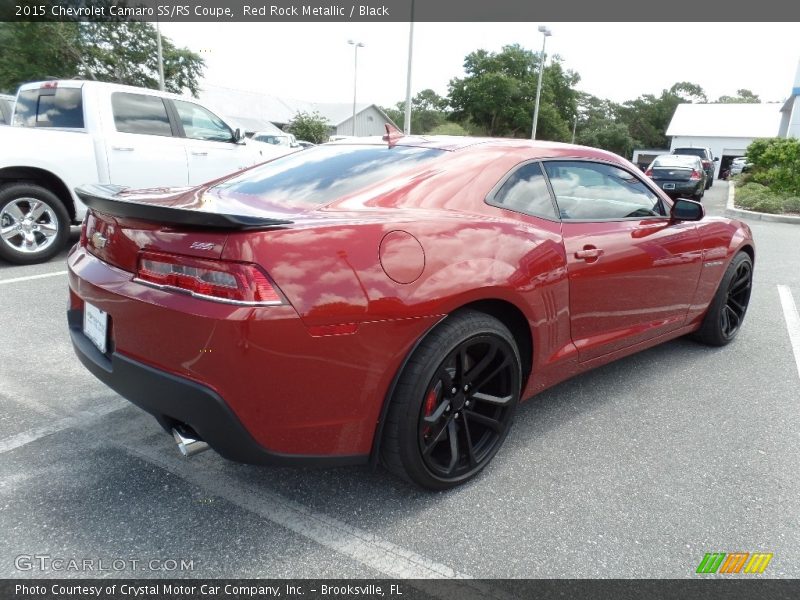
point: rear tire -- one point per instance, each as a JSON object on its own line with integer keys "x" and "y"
{"x": 454, "y": 402}
{"x": 34, "y": 224}
{"x": 729, "y": 306}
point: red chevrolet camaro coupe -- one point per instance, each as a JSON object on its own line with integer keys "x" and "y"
{"x": 390, "y": 300}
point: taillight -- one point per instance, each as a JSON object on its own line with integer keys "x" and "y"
{"x": 84, "y": 226}
{"x": 695, "y": 174}
{"x": 230, "y": 282}
{"x": 649, "y": 172}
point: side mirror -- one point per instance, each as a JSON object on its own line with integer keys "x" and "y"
{"x": 238, "y": 136}
{"x": 687, "y": 210}
{"x": 716, "y": 159}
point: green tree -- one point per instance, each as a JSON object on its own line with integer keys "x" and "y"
{"x": 117, "y": 52}
{"x": 448, "y": 129}
{"x": 309, "y": 127}
{"x": 743, "y": 96}
{"x": 34, "y": 51}
{"x": 427, "y": 112}
{"x": 648, "y": 116}
{"x": 499, "y": 90}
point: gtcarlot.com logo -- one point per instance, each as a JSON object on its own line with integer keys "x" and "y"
{"x": 46, "y": 562}
{"x": 734, "y": 562}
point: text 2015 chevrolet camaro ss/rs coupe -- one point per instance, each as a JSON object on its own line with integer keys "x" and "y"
{"x": 390, "y": 299}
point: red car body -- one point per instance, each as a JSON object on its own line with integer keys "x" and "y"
{"x": 360, "y": 280}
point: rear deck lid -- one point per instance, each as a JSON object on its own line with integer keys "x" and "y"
{"x": 185, "y": 221}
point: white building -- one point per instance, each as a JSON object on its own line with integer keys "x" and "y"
{"x": 727, "y": 129}
{"x": 259, "y": 112}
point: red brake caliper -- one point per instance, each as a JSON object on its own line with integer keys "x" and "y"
{"x": 430, "y": 406}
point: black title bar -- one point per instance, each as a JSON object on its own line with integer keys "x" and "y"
{"x": 223, "y": 11}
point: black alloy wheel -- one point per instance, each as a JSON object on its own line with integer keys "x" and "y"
{"x": 729, "y": 306}
{"x": 454, "y": 403}
{"x": 737, "y": 297}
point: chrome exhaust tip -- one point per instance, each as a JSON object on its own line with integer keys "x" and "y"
{"x": 188, "y": 444}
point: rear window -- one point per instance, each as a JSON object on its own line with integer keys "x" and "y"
{"x": 322, "y": 174}
{"x": 691, "y": 151}
{"x": 140, "y": 113}
{"x": 5, "y": 110}
{"x": 50, "y": 107}
{"x": 675, "y": 161}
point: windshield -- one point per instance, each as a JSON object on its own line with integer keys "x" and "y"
{"x": 324, "y": 173}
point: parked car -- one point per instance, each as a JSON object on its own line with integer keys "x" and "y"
{"x": 740, "y": 165}
{"x": 706, "y": 157}
{"x": 6, "y": 108}
{"x": 358, "y": 302}
{"x": 680, "y": 176}
{"x": 68, "y": 133}
{"x": 275, "y": 139}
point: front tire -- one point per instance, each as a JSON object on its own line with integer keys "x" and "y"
{"x": 454, "y": 402}
{"x": 727, "y": 310}
{"x": 34, "y": 225}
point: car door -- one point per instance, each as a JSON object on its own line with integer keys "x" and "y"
{"x": 632, "y": 270}
{"x": 211, "y": 147}
{"x": 144, "y": 151}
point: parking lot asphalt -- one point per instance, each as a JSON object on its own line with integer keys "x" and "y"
{"x": 636, "y": 469}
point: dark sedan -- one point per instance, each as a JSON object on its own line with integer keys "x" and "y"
{"x": 680, "y": 176}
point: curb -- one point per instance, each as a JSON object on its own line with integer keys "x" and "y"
{"x": 738, "y": 213}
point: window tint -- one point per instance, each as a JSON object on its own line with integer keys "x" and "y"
{"x": 691, "y": 151}
{"x": 50, "y": 107}
{"x": 5, "y": 110}
{"x": 140, "y": 113}
{"x": 594, "y": 191}
{"x": 526, "y": 191}
{"x": 324, "y": 173}
{"x": 201, "y": 124}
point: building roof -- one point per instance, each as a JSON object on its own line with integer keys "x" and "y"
{"x": 242, "y": 104}
{"x": 726, "y": 120}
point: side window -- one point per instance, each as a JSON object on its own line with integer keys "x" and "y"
{"x": 596, "y": 191}
{"x": 526, "y": 191}
{"x": 201, "y": 124}
{"x": 50, "y": 107}
{"x": 140, "y": 113}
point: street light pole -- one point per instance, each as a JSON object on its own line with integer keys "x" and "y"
{"x": 407, "y": 120}
{"x": 546, "y": 33}
{"x": 574, "y": 127}
{"x": 161, "y": 85}
{"x": 356, "y": 46}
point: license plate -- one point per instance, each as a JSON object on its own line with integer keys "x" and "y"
{"x": 669, "y": 186}
{"x": 95, "y": 326}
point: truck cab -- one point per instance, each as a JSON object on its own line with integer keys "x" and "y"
{"x": 68, "y": 133}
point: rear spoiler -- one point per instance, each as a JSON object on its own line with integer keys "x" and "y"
{"x": 105, "y": 199}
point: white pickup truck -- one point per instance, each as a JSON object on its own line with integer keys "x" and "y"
{"x": 68, "y": 133}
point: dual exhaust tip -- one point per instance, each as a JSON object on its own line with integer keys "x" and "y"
{"x": 189, "y": 443}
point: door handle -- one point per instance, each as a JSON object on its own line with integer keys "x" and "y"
{"x": 199, "y": 153}
{"x": 589, "y": 253}
{"x": 123, "y": 148}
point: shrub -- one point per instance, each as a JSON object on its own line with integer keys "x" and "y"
{"x": 776, "y": 163}
{"x": 760, "y": 198}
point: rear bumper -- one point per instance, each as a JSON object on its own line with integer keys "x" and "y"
{"x": 173, "y": 400}
{"x": 682, "y": 188}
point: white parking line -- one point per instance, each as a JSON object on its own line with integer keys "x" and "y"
{"x": 32, "y": 277}
{"x": 360, "y": 545}
{"x": 74, "y": 420}
{"x": 792, "y": 321}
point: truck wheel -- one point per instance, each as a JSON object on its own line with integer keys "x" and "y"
{"x": 34, "y": 224}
